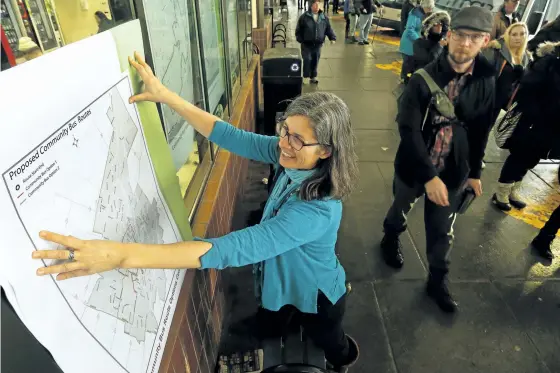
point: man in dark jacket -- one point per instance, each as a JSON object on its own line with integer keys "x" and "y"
{"x": 550, "y": 32}
{"x": 439, "y": 156}
{"x": 312, "y": 28}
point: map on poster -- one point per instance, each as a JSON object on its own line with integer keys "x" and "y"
{"x": 93, "y": 178}
{"x": 169, "y": 33}
{"x": 214, "y": 66}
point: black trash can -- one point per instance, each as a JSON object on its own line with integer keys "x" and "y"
{"x": 282, "y": 82}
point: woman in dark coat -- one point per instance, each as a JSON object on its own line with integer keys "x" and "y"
{"x": 537, "y": 135}
{"x": 510, "y": 58}
{"x": 430, "y": 45}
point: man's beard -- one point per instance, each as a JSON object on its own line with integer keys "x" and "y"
{"x": 461, "y": 59}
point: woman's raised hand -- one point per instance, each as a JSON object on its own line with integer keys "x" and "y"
{"x": 154, "y": 90}
{"x": 85, "y": 257}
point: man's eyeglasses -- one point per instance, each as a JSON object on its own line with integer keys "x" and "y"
{"x": 461, "y": 36}
{"x": 295, "y": 141}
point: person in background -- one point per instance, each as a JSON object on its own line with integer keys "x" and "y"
{"x": 29, "y": 49}
{"x": 537, "y": 134}
{"x": 348, "y": 12}
{"x": 505, "y": 17}
{"x": 367, "y": 8}
{"x": 335, "y": 6}
{"x": 312, "y": 28}
{"x": 549, "y": 32}
{"x": 407, "y": 7}
{"x": 543, "y": 242}
{"x": 510, "y": 59}
{"x": 103, "y": 22}
{"x": 430, "y": 45}
{"x": 410, "y": 34}
{"x": 439, "y": 156}
{"x": 292, "y": 249}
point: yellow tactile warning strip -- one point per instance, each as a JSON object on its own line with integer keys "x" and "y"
{"x": 541, "y": 197}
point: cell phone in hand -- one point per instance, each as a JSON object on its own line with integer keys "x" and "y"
{"x": 467, "y": 199}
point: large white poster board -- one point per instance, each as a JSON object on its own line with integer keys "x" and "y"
{"x": 78, "y": 164}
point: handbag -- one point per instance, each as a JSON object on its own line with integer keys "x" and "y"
{"x": 506, "y": 125}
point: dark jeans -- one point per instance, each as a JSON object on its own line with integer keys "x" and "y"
{"x": 552, "y": 226}
{"x": 310, "y": 55}
{"x": 517, "y": 165}
{"x": 324, "y": 327}
{"x": 438, "y": 220}
{"x": 335, "y": 6}
{"x": 347, "y": 28}
{"x": 326, "y": 10}
{"x": 407, "y": 67}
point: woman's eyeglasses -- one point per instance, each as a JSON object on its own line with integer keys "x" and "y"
{"x": 295, "y": 141}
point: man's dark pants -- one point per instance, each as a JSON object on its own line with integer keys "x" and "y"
{"x": 310, "y": 55}
{"x": 438, "y": 220}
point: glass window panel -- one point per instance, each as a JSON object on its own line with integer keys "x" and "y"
{"x": 213, "y": 46}
{"x": 233, "y": 43}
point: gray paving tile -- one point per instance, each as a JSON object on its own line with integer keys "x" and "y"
{"x": 361, "y": 232}
{"x": 536, "y": 306}
{"x": 337, "y": 84}
{"x": 377, "y": 145}
{"x": 370, "y": 109}
{"x": 364, "y": 323}
{"x": 483, "y": 337}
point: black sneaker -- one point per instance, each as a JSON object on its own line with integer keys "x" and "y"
{"x": 391, "y": 249}
{"x": 543, "y": 245}
{"x": 438, "y": 291}
{"x": 314, "y": 81}
{"x": 361, "y": 43}
{"x": 366, "y": 42}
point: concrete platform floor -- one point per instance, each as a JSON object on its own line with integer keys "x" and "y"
{"x": 509, "y": 319}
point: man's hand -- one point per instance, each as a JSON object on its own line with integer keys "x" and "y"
{"x": 443, "y": 42}
{"x": 333, "y": 41}
{"x": 437, "y": 192}
{"x": 476, "y": 185}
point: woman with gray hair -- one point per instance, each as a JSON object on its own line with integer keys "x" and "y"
{"x": 292, "y": 249}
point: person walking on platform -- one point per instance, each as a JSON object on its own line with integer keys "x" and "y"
{"x": 292, "y": 250}
{"x": 442, "y": 145}
{"x": 543, "y": 242}
{"x": 367, "y": 8}
{"x": 505, "y": 17}
{"x": 410, "y": 34}
{"x": 312, "y": 28}
{"x": 407, "y": 7}
{"x": 429, "y": 47}
{"x": 349, "y": 12}
{"x": 537, "y": 133}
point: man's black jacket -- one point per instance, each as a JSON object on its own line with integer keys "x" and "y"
{"x": 473, "y": 109}
{"x": 313, "y": 33}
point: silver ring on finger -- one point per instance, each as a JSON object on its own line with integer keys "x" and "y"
{"x": 70, "y": 254}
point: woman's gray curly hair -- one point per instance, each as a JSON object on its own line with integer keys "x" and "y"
{"x": 329, "y": 116}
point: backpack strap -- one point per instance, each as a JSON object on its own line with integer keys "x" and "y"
{"x": 434, "y": 88}
{"x": 441, "y": 101}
